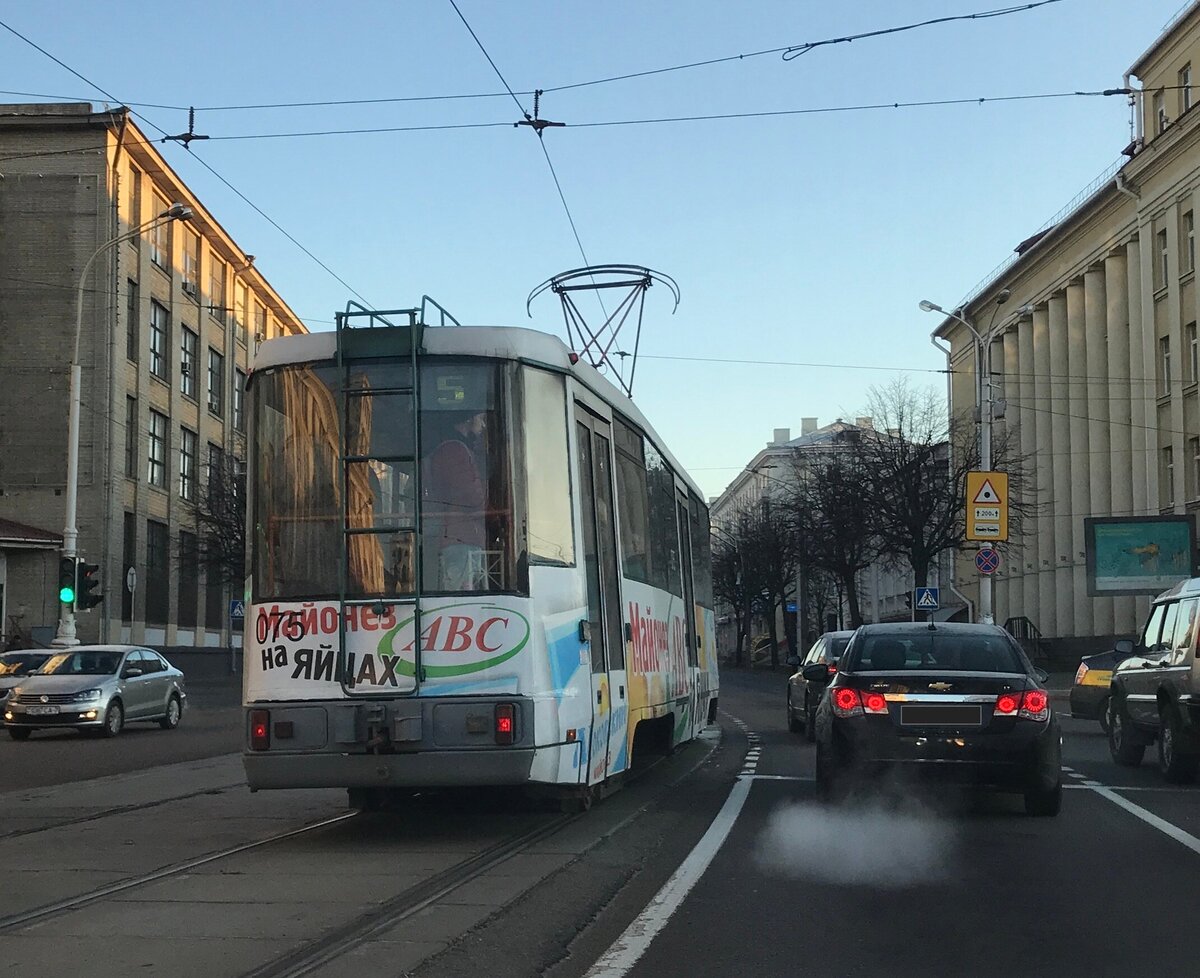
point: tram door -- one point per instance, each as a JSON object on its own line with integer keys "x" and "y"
{"x": 606, "y": 745}
{"x": 689, "y": 603}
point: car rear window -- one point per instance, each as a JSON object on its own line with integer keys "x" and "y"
{"x": 940, "y": 651}
{"x": 836, "y": 647}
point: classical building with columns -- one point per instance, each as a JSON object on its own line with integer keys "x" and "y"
{"x": 1094, "y": 356}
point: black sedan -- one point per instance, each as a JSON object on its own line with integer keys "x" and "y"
{"x": 804, "y": 693}
{"x": 947, "y": 702}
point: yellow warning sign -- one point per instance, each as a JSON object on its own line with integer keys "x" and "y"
{"x": 987, "y": 505}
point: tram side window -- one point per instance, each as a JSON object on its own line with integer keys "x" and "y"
{"x": 664, "y": 529}
{"x": 297, "y": 505}
{"x": 633, "y": 501}
{"x": 547, "y": 469}
{"x": 701, "y": 552}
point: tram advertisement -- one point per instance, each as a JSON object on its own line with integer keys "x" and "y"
{"x": 292, "y": 647}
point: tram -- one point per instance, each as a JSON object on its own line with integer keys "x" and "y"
{"x": 471, "y": 561}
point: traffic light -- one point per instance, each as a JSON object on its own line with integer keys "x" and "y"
{"x": 86, "y": 582}
{"x": 66, "y": 580}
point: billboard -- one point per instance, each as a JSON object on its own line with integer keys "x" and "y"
{"x": 1138, "y": 554}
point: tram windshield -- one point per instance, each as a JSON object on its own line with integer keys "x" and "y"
{"x": 302, "y": 521}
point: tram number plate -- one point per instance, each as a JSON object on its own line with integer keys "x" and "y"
{"x": 922, "y": 715}
{"x": 41, "y": 711}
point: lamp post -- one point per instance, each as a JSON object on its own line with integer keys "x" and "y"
{"x": 66, "y": 619}
{"x": 984, "y": 409}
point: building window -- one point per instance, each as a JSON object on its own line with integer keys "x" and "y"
{"x": 157, "y": 474}
{"x": 1185, "y": 88}
{"x": 160, "y": 237}
{"x": 1194, "y": 448}
{"x": 188, "y": 366}
{"x": 239, "y": 394}
{"x": 1164, "y": 265}
{"x": 131, "y": 437}
{"x": 216, "y": 461}
{"x": 135, "y": 199}
{"x": 216, "y": 382}
{"x": 158, "y": 575}
{"x": 239, "y": 311}
{"x": 1168, "y": 475}
{"x": 191, "y": 262}
{"x": 189, "y": 580}
{"x": 132, "y": 332}
{"x": 260, "y": 322}
{"x": 1164, "y": 366}
{"x": 128, "y": 563}
{"x": 216, "y": 288}
{"x": 214, "y": 591}
{"x": 1189, "y": 242}
{"x": 189, "y": 448}
{"x": 1189, "y": 334}
{"x": 160, "y": 322}
{"x": 1160, "y": 112}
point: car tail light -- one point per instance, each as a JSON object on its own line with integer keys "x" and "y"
{"x": 506, "y": 723}
{"x": 1035, "y": 705}
{"x": 874, "y": 703}
{"x": 1080, "y": 673}
{"x": 260, "y": 729}
{"x": 846, "y": 702}
{"x": 831, "y": 668}
{"x": 1007, "y": 705}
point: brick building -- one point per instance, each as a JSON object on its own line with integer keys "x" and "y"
{"x": 170, "y": 320}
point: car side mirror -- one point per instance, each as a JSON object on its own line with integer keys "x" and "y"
{"x": 793, "y": 660}
{"x": 1124, "y": 647}
{"x": 1042, "y": 675}
{"x": 815, "y": 672}
{"x": 131, "y": 673}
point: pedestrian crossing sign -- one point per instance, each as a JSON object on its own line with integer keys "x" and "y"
{"x": 926, "y": 599}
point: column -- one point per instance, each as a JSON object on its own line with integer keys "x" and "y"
{"x": 1122, "y": 388}
{"x": 1059, "y": 499}
{"x": 1007, "y": 591}
{"x": 1076, "y": 385}
{"x": 1099, "y": 482}
{"x": 1026, "y": 418}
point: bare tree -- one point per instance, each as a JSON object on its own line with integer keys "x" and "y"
{"x": 221, "y": 521}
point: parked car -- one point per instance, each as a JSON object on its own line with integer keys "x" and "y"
{"x": 1089, "y": 691}
{"x": 803, "y": 694}
{"x": 97, "y": 687}
{"x": 948, "y": 702}
{"x": 1155, "y": 692}
{"x": 16, "y": 665}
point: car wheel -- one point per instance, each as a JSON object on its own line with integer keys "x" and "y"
{"x": 1125, "y": 749}
{"x": 19, "y": 733}
{"x": 170, "y": 719}
{"x": 810, "y": 722}
{"x": 826, "y": 783}
{"x": 1102, "y": 714}
{"x": 1177, "y": 766}
{"x": 1044, "y": 803}
{"x": 114, "y": 719}
{"x": 793, "y": 723}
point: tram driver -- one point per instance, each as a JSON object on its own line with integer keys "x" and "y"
{"x": 455, "y": 505}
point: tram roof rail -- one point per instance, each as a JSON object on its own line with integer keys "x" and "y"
{"x": 356, "y": 313}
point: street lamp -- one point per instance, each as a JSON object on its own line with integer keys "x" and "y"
{"x": 984, "y": 407}
{"x": 66, "y": 617}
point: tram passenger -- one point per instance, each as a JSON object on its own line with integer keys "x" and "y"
{"x": 455, "y": 490}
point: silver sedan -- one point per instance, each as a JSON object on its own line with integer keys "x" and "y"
{"x": 97, "y": 687}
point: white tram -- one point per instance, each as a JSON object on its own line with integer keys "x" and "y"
{"x": 471, "y": 561}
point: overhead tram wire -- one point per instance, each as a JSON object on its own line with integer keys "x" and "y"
{"x": 787, "y": 52}
{"x": 263, "y": 214}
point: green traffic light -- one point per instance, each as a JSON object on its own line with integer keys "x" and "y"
{"x": 66, "y": 595}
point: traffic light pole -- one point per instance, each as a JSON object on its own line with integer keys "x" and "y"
{"x": 66, "y": 635}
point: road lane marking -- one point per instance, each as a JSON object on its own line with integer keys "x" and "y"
{"x": 627, "y": 949}
{"x": 1176, "y": 833}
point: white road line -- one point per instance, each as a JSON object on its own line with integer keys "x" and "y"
{"x": 625, "y": 951}
{"x": 785, "y": 777}
{"x": 1176, "y": 833}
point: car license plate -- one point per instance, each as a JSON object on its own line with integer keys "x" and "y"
{"x": 956, "y": 714}
{"x": 41, "y": 711}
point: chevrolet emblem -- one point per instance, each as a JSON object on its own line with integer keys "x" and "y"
{"x": 941, "y": 687}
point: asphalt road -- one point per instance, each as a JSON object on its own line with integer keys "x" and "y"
{"x": 211, "y": 725}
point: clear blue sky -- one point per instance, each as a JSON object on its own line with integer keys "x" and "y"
{"x": 803, "y": 238}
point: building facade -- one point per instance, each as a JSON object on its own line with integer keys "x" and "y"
{"x": 1094, "y": 356}
{"x": 170, "y": 320}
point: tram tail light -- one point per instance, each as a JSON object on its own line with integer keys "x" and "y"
{"x": 260, "y": 729}
{"x": 506, "y": 723}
